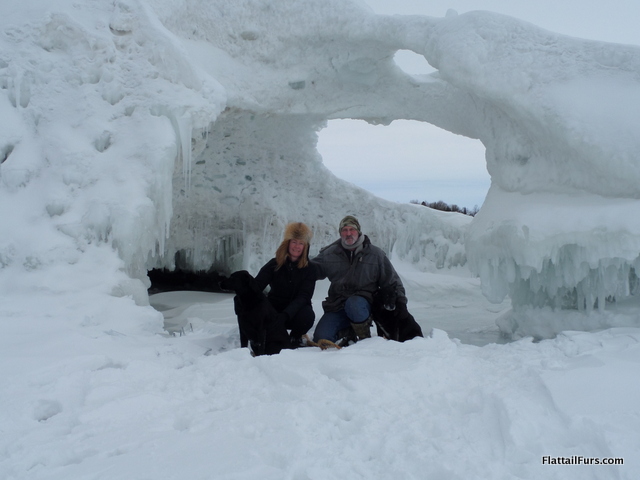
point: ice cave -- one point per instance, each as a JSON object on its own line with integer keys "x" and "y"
{"x": 184, "y": 134}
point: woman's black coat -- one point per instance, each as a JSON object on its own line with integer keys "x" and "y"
{"x": 291, "y": 287}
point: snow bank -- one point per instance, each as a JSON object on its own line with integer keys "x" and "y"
{"x": 159, "y": 408}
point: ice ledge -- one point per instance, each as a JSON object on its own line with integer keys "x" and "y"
{"x": 560, "y": 251}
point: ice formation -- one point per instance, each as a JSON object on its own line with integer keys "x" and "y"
{"x": 184, "y": 133}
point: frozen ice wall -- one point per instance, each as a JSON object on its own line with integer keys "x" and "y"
{"x": 287, "y": 67}
{"x": 185, "y": 132}
{"x": 256, "y": 172}
{"x": 560, "y": 225}
{"x": 175, "y": 132}
{"x": 556, "y": 114}
{"x": 97, "y": 104}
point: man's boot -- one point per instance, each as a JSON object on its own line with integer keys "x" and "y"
{"x": 346, "y": 337}
{"x": 363, "y": 330}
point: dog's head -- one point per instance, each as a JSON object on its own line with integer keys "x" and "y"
{"x": 241, "y": 282}
{"x": 387, "y": 297}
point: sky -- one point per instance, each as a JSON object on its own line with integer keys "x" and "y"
{"x": 408, "y": 160}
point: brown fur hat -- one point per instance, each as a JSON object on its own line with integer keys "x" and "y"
{"x": 295, "y": 231}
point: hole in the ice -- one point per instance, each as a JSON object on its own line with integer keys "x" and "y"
{"x": 412, "y": 63}
{"x": 173, "y": 291}
{"x": 407, "y": 161}
{"x": 164, "y": 280}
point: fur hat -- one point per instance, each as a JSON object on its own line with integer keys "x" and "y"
{"x": 298, "y": 231}
{"x": 295, "y": 231}
{"x": 350, "y": 221}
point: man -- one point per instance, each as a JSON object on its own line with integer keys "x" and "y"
{"x": 356, "y": 269}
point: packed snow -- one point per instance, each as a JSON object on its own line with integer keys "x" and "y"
{"x": 100, "y": 394}
{"x": 142, "y": 134}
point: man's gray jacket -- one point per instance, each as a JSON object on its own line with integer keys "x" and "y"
{"x": 360, "y": 272}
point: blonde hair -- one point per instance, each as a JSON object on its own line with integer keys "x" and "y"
{"x": 294, "y": 231}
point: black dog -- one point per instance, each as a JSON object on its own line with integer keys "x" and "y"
{"x": 257, "y": 322}
{"x": 393, "y": 320}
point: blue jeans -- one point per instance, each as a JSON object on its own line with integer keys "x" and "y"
{"x": 356, "y": 310}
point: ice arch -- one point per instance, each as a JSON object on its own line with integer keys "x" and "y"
{"x": 183, "y": 130}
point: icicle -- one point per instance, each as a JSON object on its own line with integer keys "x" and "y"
{"x": 185, "y": 127}
{"x": 17, "y": 89}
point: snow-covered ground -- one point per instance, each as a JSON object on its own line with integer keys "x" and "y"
{"x": 83, "y": 400}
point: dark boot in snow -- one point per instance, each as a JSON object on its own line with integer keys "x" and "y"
{"x": 362, "y": 330}
{"x": 346, "y": 337}
{"x": 297, "y": 341}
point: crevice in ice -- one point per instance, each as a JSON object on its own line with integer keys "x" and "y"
{"x": 5, "y": 151}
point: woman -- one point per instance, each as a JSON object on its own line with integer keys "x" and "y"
{"x": 292, "y": 280}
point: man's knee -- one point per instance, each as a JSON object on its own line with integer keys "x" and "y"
{"x": 358, "y": 309}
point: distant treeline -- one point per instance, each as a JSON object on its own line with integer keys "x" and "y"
{"x": 440, "y": 205}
